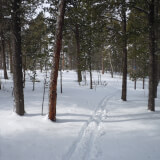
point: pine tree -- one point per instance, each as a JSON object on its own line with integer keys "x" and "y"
{"x": 17, "y": 58}
{"x": 54, "y": 73}
{"x": 124, "y": 32}
{"x": 3, "y": 30}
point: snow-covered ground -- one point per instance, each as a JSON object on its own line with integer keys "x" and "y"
{"x": 91, "y": 124}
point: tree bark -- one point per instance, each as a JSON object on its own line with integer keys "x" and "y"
{"x": 135, "y": 80}
{"x": 10, "y": 55}
{"x": 78, "y": 53}
{"x": 4, "y": 56}
{"x": 24, "y": 70}
{"x": 135, "y": 83}
{"x": 124, "y": 79}
{"x": 0, "y": 84}
{"x": 102, "y": 63}
{"x": 54, "y": 73}
{"x": 34, "y": 74}
{"x": 143, "y": 83}
{"x": 156, "y": 75}
{"x": 71, "y": 62}
{"x": 151, "y": 19}
{"x": 90, "y": 71}
{"x": 110, "y": 61}
{"x": 1, "y": 58}
{"x": 61, "y": 80}
{"x": 63, "y": 62}
{"x": 17, "y": 59}
{"x": 1, "y": 24}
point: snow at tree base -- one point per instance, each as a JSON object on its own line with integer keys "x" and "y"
{"x": 91, "y": 124}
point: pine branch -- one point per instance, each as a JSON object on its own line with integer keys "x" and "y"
{"x": 112, "y": 18}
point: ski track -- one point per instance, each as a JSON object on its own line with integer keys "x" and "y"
{"x": 85, "y": 148}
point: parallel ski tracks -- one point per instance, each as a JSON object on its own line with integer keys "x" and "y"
{"x": 84, "y": 148}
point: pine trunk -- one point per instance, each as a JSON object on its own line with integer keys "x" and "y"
{"x": 1, "y": 66}
{"x": 4, "y": 57}
{"x": 54, "y": 73}
{"x": 78, "y": 54}
{"x": 110, "y": 60}
{"x": 1, "y": 20}
{"x": 17, "y": 59}
{"x": 63, "y": 62}
{"x": 24, "y": 71}
{"x": 151, "y": 99}
{"x": 10, "y": 55}
{"x": 135, "y": 83}
{"x": 135, "y": 80}
{"x": 102, "y": 64}
{"x": 90, "y": 72}
{"x": 143, "y": 83}
{"x": 124, "y": 79}
{"x": 156, "y": 75}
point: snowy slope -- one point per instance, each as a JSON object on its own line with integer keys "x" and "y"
{"x": 91, "y": 124}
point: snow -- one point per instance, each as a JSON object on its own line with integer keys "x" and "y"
{"x": 91, "y": 124}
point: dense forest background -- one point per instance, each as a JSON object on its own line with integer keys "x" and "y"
{"x": 113, "y": 36}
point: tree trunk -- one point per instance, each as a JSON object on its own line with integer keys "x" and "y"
{"x": 71, "y": 62}
{"x": 10, "y": 55}
{"x": 102, "y": 64}
{"x": 135, "y": 83}
{"x": 34, "y": 74}
{"x": 124, "y": 79}
{"x": 61, "y": 66}
{"x": 1, "y": 24}
{"x": 4, "y": 57}
{"x": 17, "y": 59}
{"x": 85, "y": 78}
{"x": 54, "y": 73}
{"x": 63, "y": 62}
{"x": 135, "y": 68}
{"x": 1, "y": 66}
{"x": 24, "y": 70}
{"x": 34, "y": 80}
{"x": 78, "y": 53}
{"x": 110, "y": 61}
{"x": 156, "y": 75}
{"x": 151, "y": 19}
{"x": 61, "y": 80}
{"x": 90, "y": 72}
{"x": 0, "y": 84}
{"x": 143, "y": 83}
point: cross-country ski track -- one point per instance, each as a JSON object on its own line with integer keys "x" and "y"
{"x": 85, "y": 147}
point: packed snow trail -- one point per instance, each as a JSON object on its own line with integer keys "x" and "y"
{"x": 85, "y": 148}
{"x": 129, "y": 132}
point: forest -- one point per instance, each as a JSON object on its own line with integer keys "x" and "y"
{"x": 89, "y": 66}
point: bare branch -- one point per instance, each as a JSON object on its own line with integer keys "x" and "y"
{"x": 140, "y": 9}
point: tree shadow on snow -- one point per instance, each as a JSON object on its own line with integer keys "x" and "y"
{"x": 133, "y": 117}
{"x": 32, "y": 114}
{"x": 58, "y": 120}
{"x": 61, "y": 118}
{"x": 72, "y": 114}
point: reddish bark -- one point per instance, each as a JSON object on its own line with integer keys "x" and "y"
{"x": 54, "y": 73}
